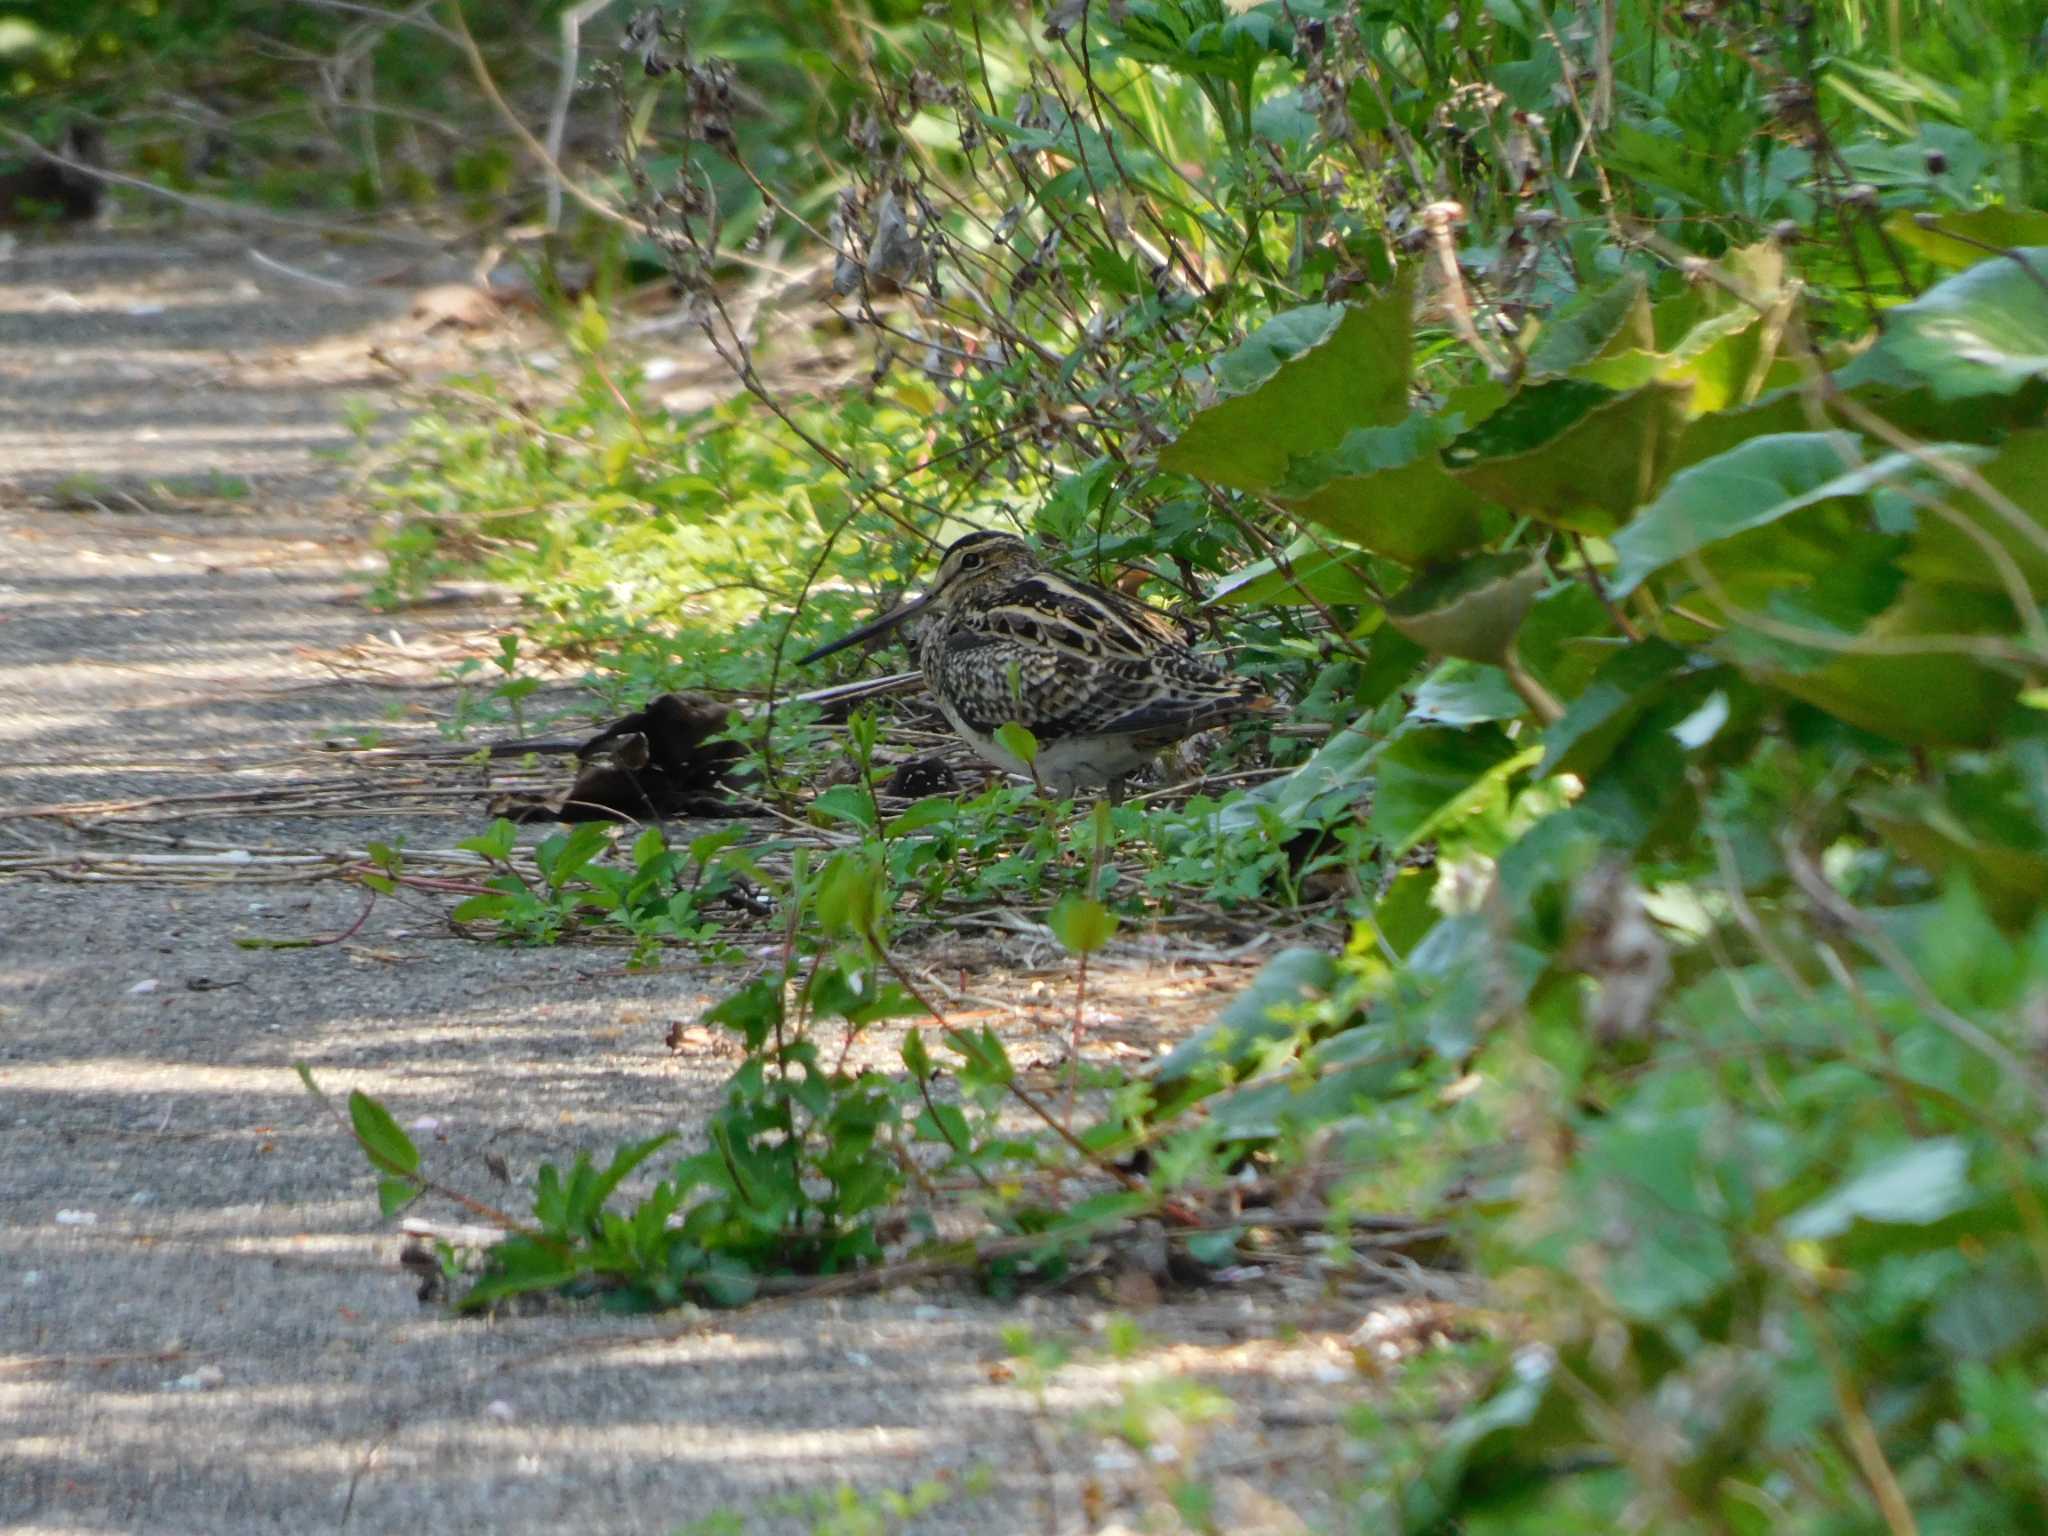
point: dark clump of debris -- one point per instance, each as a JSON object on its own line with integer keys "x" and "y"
{"x": 59, "y": 187}
{"x": 672, "y": 758}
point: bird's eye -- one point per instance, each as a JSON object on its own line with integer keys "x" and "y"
{"x": 969, "y": 562}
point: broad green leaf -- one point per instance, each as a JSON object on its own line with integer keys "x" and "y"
{"x": 1931, "y": 697}
{"x": 1726, "y": 359}
{"x": 848, "y": 803}
{"x": 1338, "y": 771}
{"x": 495, "y": 842}
{"x": 2003, "y": 855}
{"x": 1612, "y": 320}
{"x": 1466, "y": 693}
{"x": 1017, "y": 740}
{"x": 848, "y": 897}
{"x": 1295, "y": 387}
{"x": 1938, "y": 237}
{"x": 383, "y": 1142}
{"x": 2000, "y": 1307}
{"x": 1404, "y": 914}
{"x": 1310, "y": 573}
{"x": 1081, "y": 924}
{"x": 1653, "y": 1177}
{"x": 1594, "y": 473}
{"x": 1530, "y": 417}
{"x": 753, "y": 1010}
{"x": 1596, "y": 720}
{"x": 934, "y": 812}
{"x": 1709, "y": 436}
{"x": 1500, "y": 1442}
{"x": 1915, "y": 1186}
{"x": 1754, "y": 483}
{"x": 394, "y": 1195}
{"x": 1385, "y": 489}
{"x": 1982, "y": 332}
{"x": 1366, "y": 449}
{"x": 728, "y": 1282}
{"x": 1430, "y": 777}
{"x": 2018, "y": 470}
{"x": 1471, "y": 609}
{"x": 1289, "y": 980}
{"x": 1414, "y": 513}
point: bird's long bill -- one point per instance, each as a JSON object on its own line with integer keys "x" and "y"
{"x": 867, "y": 631}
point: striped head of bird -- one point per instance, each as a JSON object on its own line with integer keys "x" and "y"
{"x": 976, "y": 567}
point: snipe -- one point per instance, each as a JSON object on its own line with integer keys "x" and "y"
{"x": 1102, "y": 682}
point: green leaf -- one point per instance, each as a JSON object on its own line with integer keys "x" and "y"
{"x": 394, "y": 1195}
{"x": 496, "y": 842}
{"x": 1981, "y": 332}
{"x": 1471, "y": 609}
{"x": 848, "y": 803}
{"x": 934, "y": 812}
{"x": 915, "y": 1056}
{"x": 1934, "y": 697}
{"x": 1430, "y": 777}
{"x": 561, "y": 857}
{"x": 484, "y": 907}
{"x": 1976, "y": 822}
{"x": 1613, "y": 319}
{"x": 728, "y": 1282}
{"x": 2018, "y": 471}
{"x": 1533, "y": 415}
{"x": 1016, "y": 740}
{"x": 1958, "y": 239}
{"x": 1594, "y": 473}
{"x": 1916, "y": 1186}
{"x": 1404, "y": 914}
{"x": 387, "y": 1146}
{"x": 1337, "y": 772}
{"x": 1466, "y": 693}
{"x": 1595, "y": 721}
{"x": 848, "y": 893}
{"x": 1310, "y": 573}
{"x": 1295, "y": 387}
{"x": 1753, "y": 484}
{"x": 1081, "y": 924}
{"x": 754, "y": 1010}
{"x": 1413, "y": 512}
{"x": 1289, "y": 981}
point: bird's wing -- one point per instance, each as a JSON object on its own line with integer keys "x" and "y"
{"x": 990, "y": 677}
{"x": 1073, "y": 616}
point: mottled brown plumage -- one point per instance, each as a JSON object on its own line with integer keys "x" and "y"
{"x": 1103, "y": 682}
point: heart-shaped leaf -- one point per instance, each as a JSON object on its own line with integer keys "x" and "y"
{"x": 1981, "y": 332}
{"x": 1754, "y": 484}
{"x": 1295, "y": 387}
{"x": 1593, "y": 473}
{"x": 1471, "y": 609}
